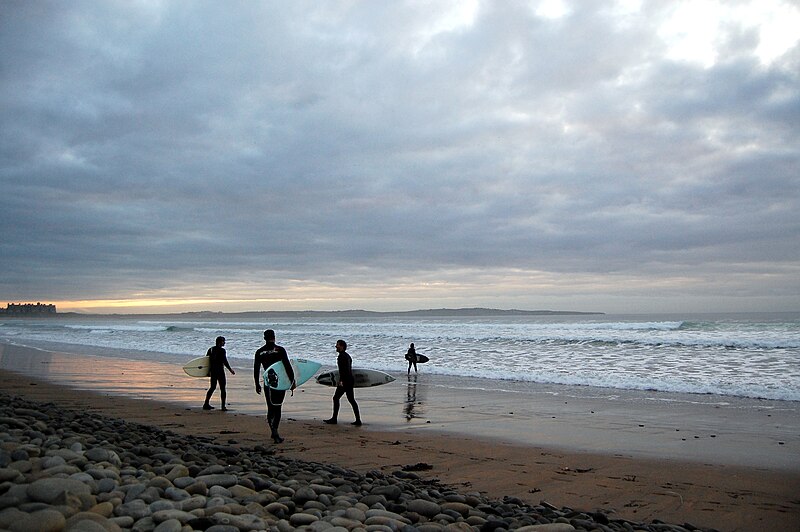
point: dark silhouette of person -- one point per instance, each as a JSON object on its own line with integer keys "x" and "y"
{"x": 345, "y": 385}
{"x": 265, "y": 356}
{"x": 218, "y": 361}
{"x": 411, "y": 356}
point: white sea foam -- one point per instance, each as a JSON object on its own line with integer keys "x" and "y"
{"x": 747, "y": 356}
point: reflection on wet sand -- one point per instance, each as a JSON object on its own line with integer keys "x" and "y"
{"x": 25, "y": 360}
{"x": 153, "y": 380}
{"x": 142, "y": 379}
{"x": 413, "y": 405}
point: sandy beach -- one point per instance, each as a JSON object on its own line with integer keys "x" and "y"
{"x": 711, "y": 465}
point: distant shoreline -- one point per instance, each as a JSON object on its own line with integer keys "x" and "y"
{"x": 430, "y": 313}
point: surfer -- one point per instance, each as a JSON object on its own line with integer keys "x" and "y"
{"x": 218, "y": 361}
{"x": 267, "y": 355}
{"x": 411, "y": 356}
{"x": 346, "y": 384}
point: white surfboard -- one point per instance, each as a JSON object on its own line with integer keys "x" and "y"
{"x": 364, "y": 378}
{"x": 197, "y": 367}
{"x": 275, "y": 376}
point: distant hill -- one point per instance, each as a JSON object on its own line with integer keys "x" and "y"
{"x": 433, "y": 313}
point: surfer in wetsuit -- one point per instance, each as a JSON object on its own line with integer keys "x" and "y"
{"x": 411, "y": 356}
{"x": 346, "y": 384}
{"x": 216, "y": 370}
{"x": 267, "y": 355}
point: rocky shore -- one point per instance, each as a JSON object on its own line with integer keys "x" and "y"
{"x": 66, "y": 469}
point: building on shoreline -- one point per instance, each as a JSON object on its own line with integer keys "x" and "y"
{"x": 28, "y": 309}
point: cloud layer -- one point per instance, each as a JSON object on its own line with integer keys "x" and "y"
{"x": 398, "y": 155}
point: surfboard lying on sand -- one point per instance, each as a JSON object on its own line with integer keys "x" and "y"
{"x": 197, "y": 367}
{"x": 276, "y": 378}
{"x": 421, "y": 359}
{"x": 365, "y": 378}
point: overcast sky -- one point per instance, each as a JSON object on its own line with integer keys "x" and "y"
{"x": 629, "y": 157}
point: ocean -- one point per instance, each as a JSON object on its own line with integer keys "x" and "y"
{"x": 736, "y": 355}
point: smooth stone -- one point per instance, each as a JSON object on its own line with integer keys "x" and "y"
{"x": 66, "y": 469}
{"x": 423, "y": 507}
{"x": 461, "y": 525}
{"x": 197, "y": 488}
{"x": 56, "y": 490}
{"x": 90, "y": 520}
{"x": 387, "y": 514}
{"x": 145, "y": 524}
{"x": 548, "y": 527}
{"x": 106, "y": 509}
{"x": 193, "y": 503}
{"x": 124, "y": 521}
{"x": 106, "y": 485}
{"x": 90, "y": 526}
{"x": 371, "y": 500}
{"x": 184, "y": 481}
{"x": 66, "y": 454}
{"x": 322, "y": 489}
{"x": 10, "y": 515}
{"x": 222, "y": 528}
{"x": 277, "y": 508}
{"x": 170, "y": 525}
{"x": 304, "y": 494}
{"x": 284, "y": 526}
{"x": 160, "y": 505}
{"x": 137, "y": 509}
{"x": 132, "y": 492}
{"x": 458, "y": 507}
{"x": 165, "y": 515}
{"x": 302, "y": 519}
{"x": 242, "y": 522}
{"x": 98, "y": 454}
{"x": 356, "y": 514}
{"x": 101, "y": 473}
{"x": 242, "y": 492}
{"x": 41, "y": 521}
{"x": 179, "y": 471}
{"x": 219, "y": 479}
{"x": 52, "y": 461}
{"x": 176, "y": 494}
{"x": 22, "y": 466}
{"x": 392, "y": 492}
{"x": 380, "y": 520}
{"x": 344, "y": 522}
{"x": 9, "y": 475}
{"x": 431, "y": 527}
{"x": 161, "y": 483}
{"x": 164, "y": 457}
{"x": 219, "y": 491}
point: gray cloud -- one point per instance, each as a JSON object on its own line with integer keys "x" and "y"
{"x": 147, "y": 148}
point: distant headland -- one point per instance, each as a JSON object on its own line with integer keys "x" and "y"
{"x": 28, "y": 309}
{"x": 427, "y": 313}
{"x": 45, "y": 310}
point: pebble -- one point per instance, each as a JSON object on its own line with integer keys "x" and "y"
{"x": 63, "y": 470}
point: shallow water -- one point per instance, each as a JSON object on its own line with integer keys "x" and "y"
{"x": 755, "y": 355}
{"x": 694, "y": 427}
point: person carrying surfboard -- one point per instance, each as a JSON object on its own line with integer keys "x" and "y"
{"x": 267, "y": 355}
{"x": 218, "y": 361}
{"x": 411, "y": 356}
{"x": 345, "y": 386}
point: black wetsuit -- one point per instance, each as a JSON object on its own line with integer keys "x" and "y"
{"x": 266, "y": 356}
{"x": 216, "y": 370}
{"x": 346, "y": 385}
{"x": 411, "y": 356}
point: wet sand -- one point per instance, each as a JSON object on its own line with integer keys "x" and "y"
{"x": 730, "y": 467}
